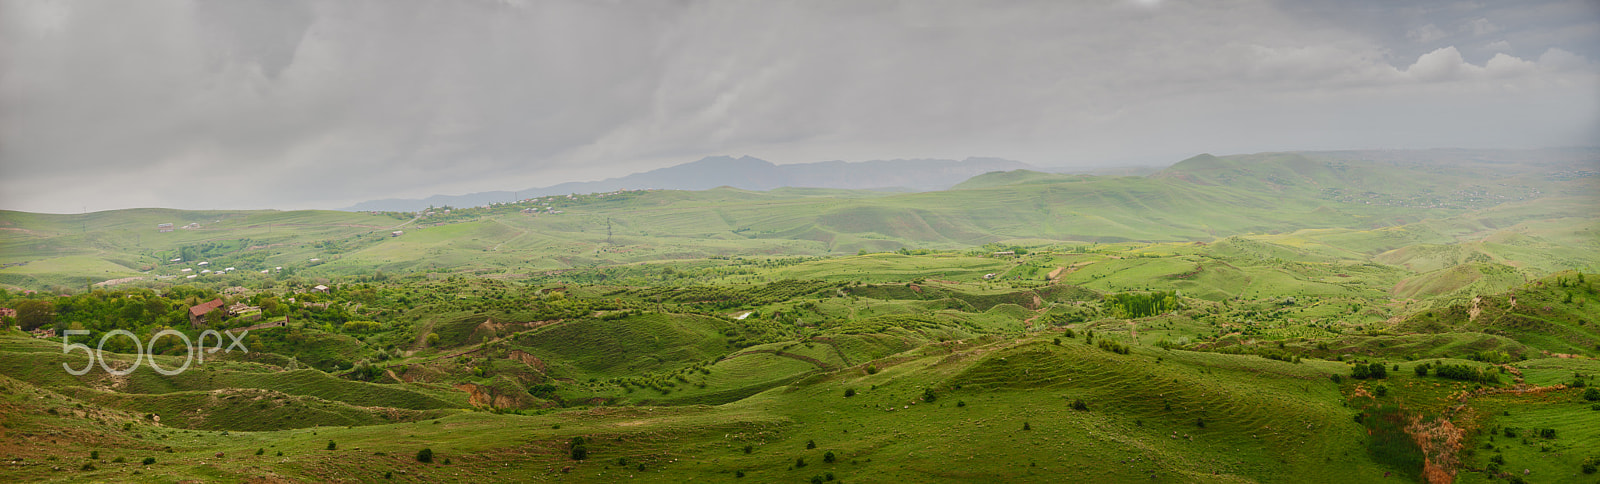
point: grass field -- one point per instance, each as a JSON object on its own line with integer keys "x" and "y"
{"x": 1256, "y": 318}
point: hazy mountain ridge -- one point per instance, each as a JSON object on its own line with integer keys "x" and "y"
{"x": 744, "y": 172}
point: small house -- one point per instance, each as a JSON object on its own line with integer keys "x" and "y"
{"x": 396, "y": 233}
{"x": 320, "y": 288}
{"x": 198, "y": 312}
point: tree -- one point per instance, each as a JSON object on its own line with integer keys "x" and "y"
{"x": 270, "y": 307}
{"x": 1377, "y": 370}
{"x": 215, "y": 316}
{"x": 579, "y": 450}
{"x": 425, "y": 455}
{"x": 32, "y": 314}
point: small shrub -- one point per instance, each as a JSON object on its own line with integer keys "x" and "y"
{"x": 149, "y": 460}
{"x": 261, "y": 451}
{"x": 928, "y": 396}
{"x": 1025, "y": 426}
{"x": 580, "y": 451}
{"x": 388, "y": 475}
{"x": 738, "y": 473}
{"x": 1200, "y": 422}
{"x": 961, "y": 403}
{"x": 799, "y": 461}
{"x": 94, "y": 455}
{"x": 1592, "y": 394}
{"x": 1078, "y": 404}
{"x": 872, "y": 369}
{"x": 425, "y": 456}
{"x": 811, "y": 444}
{"x": 118, "y": 460}
{"x": 446, "y": 461}
{"x": 749, "y": 448}
{"x": 1421, "y": 369}
{"x": 87, "y": 466}
{"x": 849, "y": 392}
{"x": 828, "y": 457}
{"x": 280, "y": 453}
{"x": 332, "y": 445}
{"x": 1381, "y": 390}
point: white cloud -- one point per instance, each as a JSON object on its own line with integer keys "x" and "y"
{"x": 1426, "y": 34}
{"x": 1442, "y": 64}
{"x": 1480, "y": 26}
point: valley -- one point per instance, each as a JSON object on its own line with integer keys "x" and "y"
{"x": 1278, "y": 317}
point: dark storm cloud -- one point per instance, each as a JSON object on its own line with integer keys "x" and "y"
{"x": 316, "y": 104}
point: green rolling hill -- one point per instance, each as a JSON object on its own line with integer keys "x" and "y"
{"x": 1278, "y": 317}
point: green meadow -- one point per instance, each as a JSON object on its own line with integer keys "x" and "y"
{"x": 1279, "y": 317}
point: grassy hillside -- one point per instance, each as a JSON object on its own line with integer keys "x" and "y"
{"x": 1324, "y": 317}
{"x": 1379, "y": 207}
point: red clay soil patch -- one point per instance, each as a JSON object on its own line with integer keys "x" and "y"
{"x": 1439, "y": 440}
{"x": 527, "y": 359}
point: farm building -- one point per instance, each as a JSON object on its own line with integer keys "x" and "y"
{"x": 197, "y": 313}
{"x": 396, "y": 233}
{"x": 164, "y": 228}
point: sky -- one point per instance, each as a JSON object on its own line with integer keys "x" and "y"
{"x": 286, "y": 104}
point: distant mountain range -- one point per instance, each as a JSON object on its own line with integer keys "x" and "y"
{"x": 743, "y": 172}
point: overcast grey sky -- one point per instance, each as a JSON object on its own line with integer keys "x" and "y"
{"x": 317, "y": 104}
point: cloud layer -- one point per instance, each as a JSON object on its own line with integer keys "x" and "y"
{"x": 284, "y": 104}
